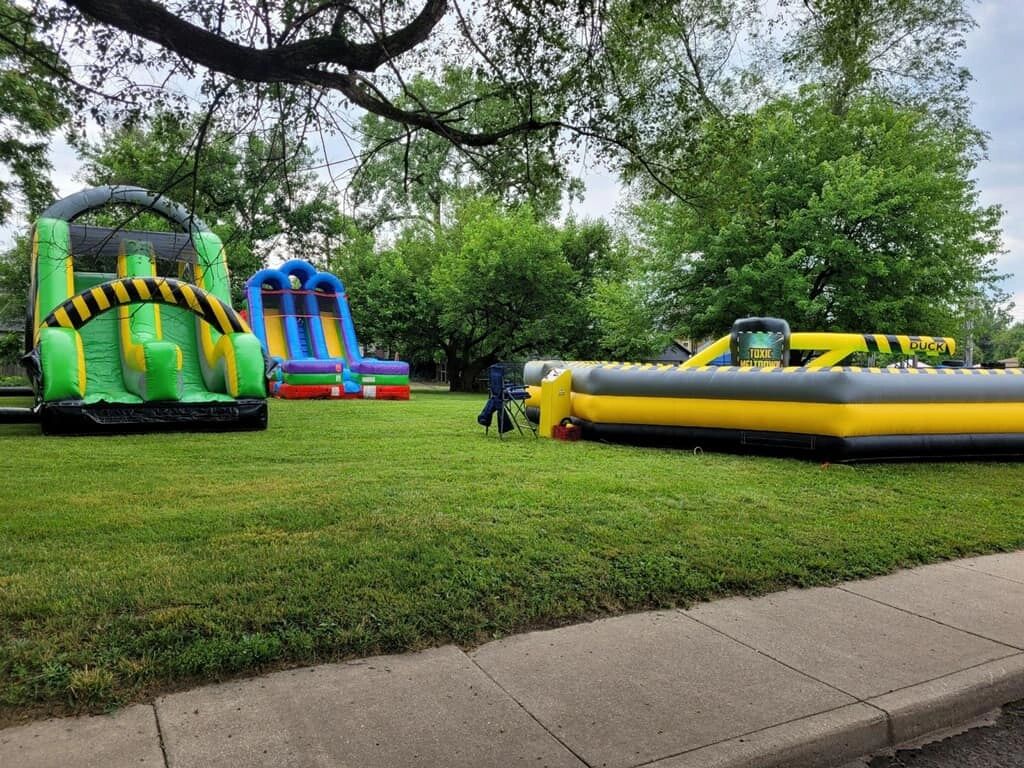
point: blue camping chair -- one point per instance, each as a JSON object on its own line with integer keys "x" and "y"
{"x": 506, "y": 398}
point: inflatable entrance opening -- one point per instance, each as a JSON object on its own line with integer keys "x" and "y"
{"x": 131, "y": 330}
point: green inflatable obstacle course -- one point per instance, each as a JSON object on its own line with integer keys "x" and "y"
{"x": 134, "y": 331}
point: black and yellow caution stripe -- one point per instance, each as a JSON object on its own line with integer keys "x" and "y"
{"x": 82, "y": 307}
{"x": 906, "y": 345}
{"x": 682, "y": 369}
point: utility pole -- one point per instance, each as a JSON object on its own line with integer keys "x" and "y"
{"x": 969, "y": 342}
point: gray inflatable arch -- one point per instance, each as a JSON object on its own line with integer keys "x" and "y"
{"x": 73, "y": 206}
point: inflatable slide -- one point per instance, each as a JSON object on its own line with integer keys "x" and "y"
{"x": 303, "y": 320}
{"x": 761, "y": 403}
{"x": 133, "y": 330}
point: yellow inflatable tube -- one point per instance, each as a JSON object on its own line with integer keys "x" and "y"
{"x": 816, "y": 409}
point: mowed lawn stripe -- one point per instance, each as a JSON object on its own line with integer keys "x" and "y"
{"x": 134, "y": 564}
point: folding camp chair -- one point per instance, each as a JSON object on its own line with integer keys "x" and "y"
{"x": 506, "y": 398}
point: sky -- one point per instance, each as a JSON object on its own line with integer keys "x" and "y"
{"x": 995, "y": 57}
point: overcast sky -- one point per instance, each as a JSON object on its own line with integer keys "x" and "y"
{"x": 995, "y": 56}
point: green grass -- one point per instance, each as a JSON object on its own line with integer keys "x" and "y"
{"x": 134, "y": 564}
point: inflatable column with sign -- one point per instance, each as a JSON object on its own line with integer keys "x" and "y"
{"x": 760, "y": 342}
{"x": 555, "y": 400}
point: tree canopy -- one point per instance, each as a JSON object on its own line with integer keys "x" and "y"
{"x": 411, "y": 173}
{"x": 907, "y": 50}
{"x": 363, "y": 51}
{"x": 32, "y": 106}
{"x": 629, "y": 80}
{"x": 232, "y": 182}
{"x": 492, "y": 285}
{"x": 495, "y": 283}
{"x": 862, "y": 221}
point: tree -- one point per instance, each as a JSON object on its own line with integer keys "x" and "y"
{"x": 14, "y": 281}
{"x": 907, "y": 50}
{"x": 1006, "y": 343}
{"x": 32, "y": 106}
{"x": 639, "y": 77}
{"x": 625, "y": 317}
{"x": 492, "y": 285}
{"x": 594, "y": 251}
{"x": 667, "y": 67}
{"x": 11, "y": 348}
{"x": 411, "y": 173}
{"x": 250, "y": 189}
{"x": 614, "y": 306}
{"x": 495, "y": 284}
{"x": 362, "y": 51}
{"x": 585, "y": 70}
{"x": 989, "y": 323}
{"x": 857, "y": 222}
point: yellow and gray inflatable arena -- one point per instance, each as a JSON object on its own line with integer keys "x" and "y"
{"x": 760, "y": 404}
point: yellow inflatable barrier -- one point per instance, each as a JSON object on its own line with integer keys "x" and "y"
{"x": 759, "y": 403}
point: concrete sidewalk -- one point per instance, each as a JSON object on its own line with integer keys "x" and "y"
{"x": 798, "y": 678}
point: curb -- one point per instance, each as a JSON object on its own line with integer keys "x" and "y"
{"x": 826, "y": 739}
{"x": 858, "y": 730}
{"x": 952, "y": 701}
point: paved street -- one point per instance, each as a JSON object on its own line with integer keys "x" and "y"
{"x": 998, "y": 746}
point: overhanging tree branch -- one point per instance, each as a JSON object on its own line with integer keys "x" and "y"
{"x": 152, "y": 21}
{"x": 303, "y": 62}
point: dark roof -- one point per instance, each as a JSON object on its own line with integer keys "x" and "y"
{"x": 675, "y": 353}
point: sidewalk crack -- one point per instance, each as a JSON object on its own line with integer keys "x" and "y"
{"x": 760, "y": 652}
{"x": 986, "y": 573}
{"x": 529, "y": 714}
{"x": 160, "y": 735}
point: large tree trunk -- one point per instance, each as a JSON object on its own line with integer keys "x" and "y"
{"x": 463, "y": 376}
{"x": 455, "y": 372}
{"x": 466, "y": 381}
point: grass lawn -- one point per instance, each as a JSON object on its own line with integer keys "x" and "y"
{"x": 130, "y": 565}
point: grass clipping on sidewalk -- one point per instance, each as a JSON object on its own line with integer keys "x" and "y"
{"x": 130, "y": 565}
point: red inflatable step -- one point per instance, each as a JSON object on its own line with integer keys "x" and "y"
{"x": 386, "y": 392}
{"x": 337, "y": 392}
{"x": 314, "y": 392}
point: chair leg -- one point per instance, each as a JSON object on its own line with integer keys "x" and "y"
{"x": 517, "y": 412}
{"x": 529, "y": 424}
{"x": 515, "y": 420}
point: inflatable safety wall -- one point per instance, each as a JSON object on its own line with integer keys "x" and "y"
{"x": 820, "y": 409}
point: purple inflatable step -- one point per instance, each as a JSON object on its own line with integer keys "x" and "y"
{"x": 337, "y": 365}
{"x": 312, "y": 365}
{"x": 382, "y": 367}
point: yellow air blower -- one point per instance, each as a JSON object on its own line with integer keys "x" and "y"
{"x": 555, "y": 400}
